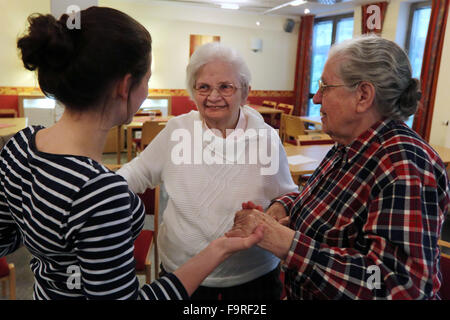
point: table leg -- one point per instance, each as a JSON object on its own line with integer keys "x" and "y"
{"x": 129, "y": 143}
{"x": 119, "y": 144}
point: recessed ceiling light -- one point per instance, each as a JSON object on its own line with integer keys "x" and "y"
{"x": 231, "y": 6}
{"x": 258, "y": 23}
{"x": 307, "y": 11}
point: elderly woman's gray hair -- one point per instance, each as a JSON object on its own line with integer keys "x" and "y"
{"x": 215, "y": 51}
{"x": 384, "y": 64}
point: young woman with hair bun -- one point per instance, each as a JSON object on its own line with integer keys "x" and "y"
{"x": 76, "y": 217}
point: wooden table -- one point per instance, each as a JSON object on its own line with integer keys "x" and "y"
{"x": 135, "y": 124}
{"x": 266, "y": 110}
{"x": 9, "y": 127}
{"x": 312, "y": 120}
{"x": 316, "y": 152}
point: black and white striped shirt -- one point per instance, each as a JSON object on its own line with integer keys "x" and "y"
{"x": 79, "y": 221}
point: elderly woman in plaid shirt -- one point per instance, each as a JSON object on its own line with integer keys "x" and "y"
{"x": 367, "y": 223}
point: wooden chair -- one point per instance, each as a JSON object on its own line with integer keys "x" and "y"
{"x": 291, "y": 127}
{"x": 8, "y": 113}
{"x": 8, "y": 275}
{"x": 147, "y": 239}
{"x": 286, "y": 108}
{"x": 444, "y": 291}
{"x": 269, "y": 104}
{"x": 150, "y": 130}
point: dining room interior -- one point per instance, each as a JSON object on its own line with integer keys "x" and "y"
{"x": 285, "y": 45}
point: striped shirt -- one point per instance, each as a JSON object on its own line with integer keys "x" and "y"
{"x": 79, "y": 221}
{"x": 368, "y": 220}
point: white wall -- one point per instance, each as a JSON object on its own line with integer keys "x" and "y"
{"x": 170, "y": 26}
{"x": 393, "y": 28}
{"x": 440, "y": 134}
{"x": 13, "y": 22}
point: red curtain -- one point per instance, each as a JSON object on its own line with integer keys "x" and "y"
{"x": 373, "y": 17}
{"x": 430, "y": 67}
{"x": 303, "y": 65}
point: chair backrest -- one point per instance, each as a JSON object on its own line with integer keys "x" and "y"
{"x": 444, "y": 291}
{"x": 150, "y": 130}
{"x": 270, "y": 104}
{"x": 4, "y": 269}
{"x": 150, "y": 199}
{"x": 286, "y": 108}
{"x": 8, "y": 113}
{"x": 291, "y": 126}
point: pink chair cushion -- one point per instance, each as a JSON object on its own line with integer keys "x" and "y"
{"x": 148, "y": 198}
{"x": 4, "y": 269}
{"x": 444, "y": 291}
{"x": 141, "y": 246}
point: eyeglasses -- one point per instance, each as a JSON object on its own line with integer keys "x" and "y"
{"x": 224, "y": 89}
{"x": 323, "y": 86}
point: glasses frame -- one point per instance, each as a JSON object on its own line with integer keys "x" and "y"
{"x": 323, "y": 86}
{"x": 212, "y": 88}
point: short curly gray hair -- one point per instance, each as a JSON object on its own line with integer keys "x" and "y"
{"x": 384, "y": 64}
{"x": 212, "y": 52}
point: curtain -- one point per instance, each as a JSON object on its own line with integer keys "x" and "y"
{"x": 373, "y": 17}
{"x": 303, "y": 65}
{"x": 430, "y": 67}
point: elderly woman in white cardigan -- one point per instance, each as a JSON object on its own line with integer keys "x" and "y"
{"x": 211, "y": 161}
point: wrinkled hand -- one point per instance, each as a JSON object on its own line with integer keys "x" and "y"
{"x": 245, "y": 221}
{"x": 277, "y": 211}
{"x": 251, "y": 205}
{"x": 277, "y": 238}
{"x": 238, "y": 243}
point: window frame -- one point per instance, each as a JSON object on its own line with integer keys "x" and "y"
{"x": 335, "y": 19}
{"x": 414, "y": 6}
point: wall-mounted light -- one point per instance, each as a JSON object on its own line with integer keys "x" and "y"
{"x": 231, "y": 6}
{"x": 307, "y": 11}
{"x": 256, "y": 44}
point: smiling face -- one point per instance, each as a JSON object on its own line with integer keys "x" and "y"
{"x": 218, "y": 111}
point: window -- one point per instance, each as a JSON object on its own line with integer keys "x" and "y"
{"x": 327, "y": 31}
{"x": 417, "y": 35}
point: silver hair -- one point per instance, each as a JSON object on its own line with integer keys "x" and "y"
{"x": 215, "y": 51}
{"x": 384, "y": 64}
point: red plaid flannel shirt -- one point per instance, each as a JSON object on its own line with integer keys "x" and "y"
{"x": 380, "y": 202}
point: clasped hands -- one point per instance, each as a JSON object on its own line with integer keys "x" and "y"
{"x": 277, "y": 236}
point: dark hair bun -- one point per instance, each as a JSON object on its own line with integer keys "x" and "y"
{"x": 408, "y": 101}
{"x": 47, "y": 44}
{"x": 78, "y": 66}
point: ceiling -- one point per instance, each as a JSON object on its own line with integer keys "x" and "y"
{"x": 279, "y": 7}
